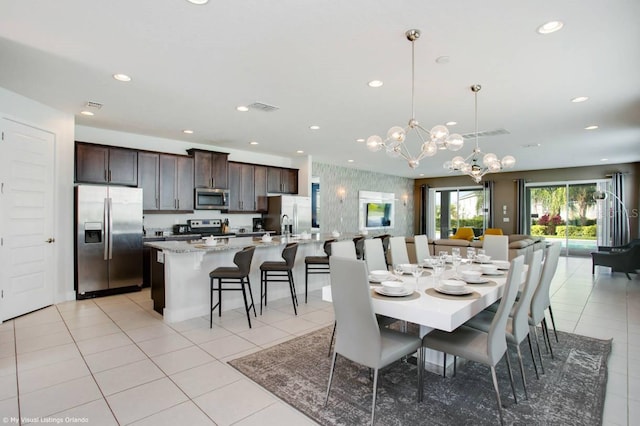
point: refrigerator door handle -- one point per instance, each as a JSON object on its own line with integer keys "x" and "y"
{"x": 106, "y": 229}
{"x": 110, "y": 228}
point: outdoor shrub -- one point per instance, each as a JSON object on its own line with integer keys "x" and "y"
{"x": 538, "y": 230}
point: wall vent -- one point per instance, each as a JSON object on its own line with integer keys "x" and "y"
{"x": 496, "y": 132}
{"x": 94, "y": 105}
{"x": 263, "y": 107}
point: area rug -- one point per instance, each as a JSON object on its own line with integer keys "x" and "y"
{"x": 571, "y": 392}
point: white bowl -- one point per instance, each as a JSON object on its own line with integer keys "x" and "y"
{"x": 488, "y": 269}
{"x": 471, "y": 275}
{"x": 266, "y": 239}
{"x": 452, "y": 284}
{"x": 501, "y": 264}
{"x": 379, "y": 274}
{"x": 483, "y": 258}
{"x": 210, "y": 241}
{"x": 406, "y": 268}
{"x": 393, "y": 286}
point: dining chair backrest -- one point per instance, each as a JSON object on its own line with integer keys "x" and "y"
{"x": 289, "y": 254}
{"x": 520, "y": 314}
{"x": 540, "y": 300}
{"x": 497, "y": 342}
{"x": 398, "y": 248}
{"x": 359, "y": 244}
{"x": 243, "y": 258}
{"x": 421, "y": 243}
{"x": 496, "y": 246}
{"x": 327, "y": 246}
{"x": 374, "y": 254}
{"x": 343, "y": 249}
{"x": 357, "y": 330}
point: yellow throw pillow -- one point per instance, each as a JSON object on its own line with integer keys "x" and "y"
{"x": 492, "y": 231}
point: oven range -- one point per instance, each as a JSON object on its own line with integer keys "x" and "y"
{"x": 207, "y": 228}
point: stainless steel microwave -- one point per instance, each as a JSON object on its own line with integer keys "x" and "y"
{"x": 211, "y": 199}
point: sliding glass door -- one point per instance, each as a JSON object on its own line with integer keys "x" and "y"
{"x": 567, "y": 213}
{"x": 455, "y": 208}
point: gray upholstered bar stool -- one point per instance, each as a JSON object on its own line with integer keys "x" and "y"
{"x": 238, "y": 274}
{"x": 316, "y": 265}
{"x": 279, "y": 271}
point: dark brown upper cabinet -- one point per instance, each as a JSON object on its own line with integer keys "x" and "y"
{"x": 210, "y": 169}
{"x": 106, "y": 165}
{"x": 176, "y": 183}
{"x": 260, "y": 180}
{"x": 282, "y": 181}
{"x": 242, "y": 196}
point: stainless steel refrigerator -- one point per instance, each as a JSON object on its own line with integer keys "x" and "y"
{"x": 297, "y": 210}
{"x": 108, "y": 248}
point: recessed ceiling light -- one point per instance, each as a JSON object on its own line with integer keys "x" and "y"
{"x": 314, "y": 127}
{"x": 531, "y": 145}
{"x": 421, "y": 174}
{"x": 360, "y": 140}
{"x": 253, "y": 143}
{"x": 198, "y": 2}
{"x": 451, "y": 123}
{"x": 604, "y": 159}
{"x": 187, "y": 131}
{"x": 591, "y": 127}
{"x": 350, "y": 161}
{"x": 122, "y": 77}
{"x": 89, "y": 113}
{"x": 579, "y": 99}
{"x": 442, "y": 60}
{"x": 242, "y": 108}
{"x": 299, "y": 151}
{"x": 550, "y": 27}
{"x": 375, "y": 83}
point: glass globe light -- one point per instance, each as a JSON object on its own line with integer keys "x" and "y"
{"x": 494, "y": 167}
{"x": 489, "y": 158}
{"x": 508, "y": 161}
{"x": 374, "y": 143}
{"x": 396, "y": 134}
{"x": 465, "y": 168}
{"x": 429, "y": 149}
{"x": 414, "y": 163}
{"x": 457, "y": 162}
{"x": 439, "y": 133}
{"x": 455, "y": 142}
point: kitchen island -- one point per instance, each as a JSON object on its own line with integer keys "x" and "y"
{"x": 180, "y": 285}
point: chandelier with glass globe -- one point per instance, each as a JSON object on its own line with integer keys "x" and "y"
{"x": 430, "y": 140}
{"x": 478, "y": 164}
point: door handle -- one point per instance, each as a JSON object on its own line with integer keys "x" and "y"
{"x": 50, "y": 240}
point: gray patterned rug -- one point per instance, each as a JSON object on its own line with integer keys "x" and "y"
{"x": 570, "y": 393}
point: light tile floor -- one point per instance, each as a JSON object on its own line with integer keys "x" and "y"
{"x": 113, "y": 361}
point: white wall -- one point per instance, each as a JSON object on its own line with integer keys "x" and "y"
{"x": 35, "y": 114}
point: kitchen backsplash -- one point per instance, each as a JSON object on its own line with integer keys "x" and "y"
{"x": 165, "y": 222}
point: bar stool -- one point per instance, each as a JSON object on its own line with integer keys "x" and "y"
{"x": 279, "y": 271}
{"x": 238, "y": 274}
{"x": 316, "y": 265}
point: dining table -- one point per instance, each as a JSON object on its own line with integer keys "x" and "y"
{"x": 431, "y": 309}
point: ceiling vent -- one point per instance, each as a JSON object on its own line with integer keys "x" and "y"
{"x": 94, "y": 105}
{"x": 263, "y": 107}
{"x": 496, "y": 132}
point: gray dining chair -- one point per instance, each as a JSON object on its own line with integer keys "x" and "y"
{"x": 374, "y": 254}
{"x": 421, "y": 243}
{"x": 540, "y": 301}
{"x": 484, "y": 347}
{"x": 359, "y": 338}
{"x": 343, "y": 249}
{"x": 398, "y": 248}
{"x": 496, "y": 246}
{"x": 518, "y": 323}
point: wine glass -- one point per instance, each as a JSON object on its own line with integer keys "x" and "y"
{"x": 397, "y": 269}
{"x": 416, "y": 271}
{"x": 455, "y": 251}
{"x": 438, "y": 267}
{"x": 471, "y": 253}
{"x": 456, "y": 259}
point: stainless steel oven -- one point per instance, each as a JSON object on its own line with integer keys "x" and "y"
{"x": 211, "y": 199}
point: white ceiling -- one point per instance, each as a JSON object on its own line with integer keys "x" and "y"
{"x": 192, "y": 65}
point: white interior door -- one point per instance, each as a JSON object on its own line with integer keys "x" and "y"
{"x": 26, "y": 219}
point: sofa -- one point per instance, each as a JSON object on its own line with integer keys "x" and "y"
{"x": 519, "y": 244}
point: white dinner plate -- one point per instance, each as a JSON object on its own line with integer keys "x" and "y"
{"x": 382, "y": 291}
{"x": 457, "y": 292}
{"x": 479, "y": 280}
{"x": 501, "y": 264}
{"x": 375, "y": 279}
{"x": 494, "y": 273}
